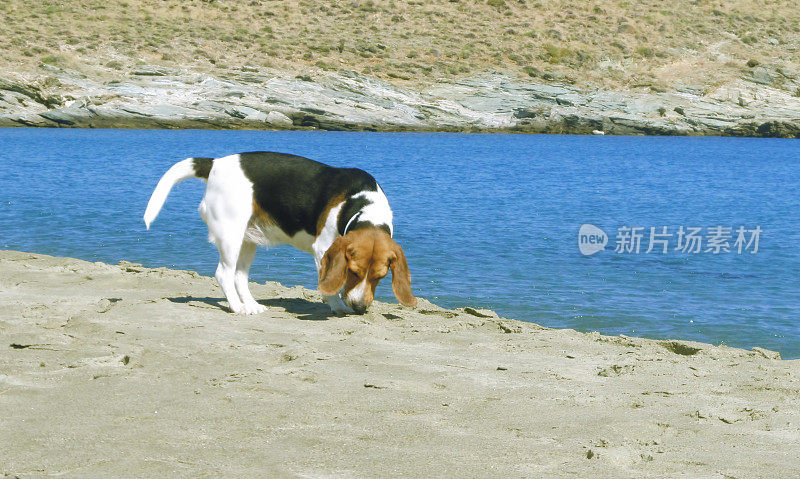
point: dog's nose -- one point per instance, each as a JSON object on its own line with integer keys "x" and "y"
{"x": 359, "y": 308}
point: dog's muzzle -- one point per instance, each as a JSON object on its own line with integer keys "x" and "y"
{"x": 359, "y": 309}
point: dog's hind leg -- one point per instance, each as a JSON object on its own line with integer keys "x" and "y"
{"x": 227, "y": 231}
{"x": 227, "y": 208}
{"x": 247, "y": 253}
{"x": 226, "y": 272}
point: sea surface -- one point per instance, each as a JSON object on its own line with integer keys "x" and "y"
{"x": 486, "y": 220}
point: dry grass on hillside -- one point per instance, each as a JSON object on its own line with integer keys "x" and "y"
{"x": 603, "y": 43}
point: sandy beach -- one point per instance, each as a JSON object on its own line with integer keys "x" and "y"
{"x": 125, "y": 371}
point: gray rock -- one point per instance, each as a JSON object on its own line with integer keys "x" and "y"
{"x": 29, "y": 90}
{"x": 165, "y": 112}
{"x": 762, "y": 76}
{"x": 350, "y": 101}
{"x": 247, "y": 113}
{"x": 153, "y": 70}
{"x": 278, "y": 119}
{"x": 71, "y": 115}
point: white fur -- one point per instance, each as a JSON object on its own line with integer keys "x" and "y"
{"x": 356, "y": 295}
{"x": 179, "y": 172}
{"x": 378, "y": 212}
{"x": 271, "y": 235}
{"x": 328, "y": 235}
{"x": 323, "y": 242}
{"x": 227, "y": 209}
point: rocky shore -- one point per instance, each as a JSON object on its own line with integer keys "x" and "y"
{"x": 761, "y": 104}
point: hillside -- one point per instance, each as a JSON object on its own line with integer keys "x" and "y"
{"x": 615, "y": 44}
{"x": 643, "y": 47}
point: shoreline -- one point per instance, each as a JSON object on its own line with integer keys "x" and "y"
{"x": 348, "y": 101}
{"x": 107, "y": 369}
{"x": 767, "y": 129}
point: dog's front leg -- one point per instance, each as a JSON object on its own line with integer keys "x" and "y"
{"x": 335, "y": 302}
{"x": 337, "y": 305}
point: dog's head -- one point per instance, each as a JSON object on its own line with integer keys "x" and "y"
{"x": 358, "y": 261}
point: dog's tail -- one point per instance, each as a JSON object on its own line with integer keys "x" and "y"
{"x": 197, "y": 167}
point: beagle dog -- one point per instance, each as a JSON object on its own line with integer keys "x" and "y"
{"x": 340, "y": 215}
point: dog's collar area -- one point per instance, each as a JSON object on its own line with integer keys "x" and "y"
{"x": 353, "y": 219}
{"x": 354, "y": 223}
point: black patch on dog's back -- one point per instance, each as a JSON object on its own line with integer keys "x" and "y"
{"x": 294, "y": 191}
{"x": 202, "y": 166}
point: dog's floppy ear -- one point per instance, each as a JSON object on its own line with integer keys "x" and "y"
{"x": 401, "y": 278}
{"x": 332, "y": 268}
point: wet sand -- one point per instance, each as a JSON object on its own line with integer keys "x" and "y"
{"x": 125, "y": 371}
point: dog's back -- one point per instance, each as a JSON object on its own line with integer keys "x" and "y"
{"x": 292, "y": 190}
{"x": 295, "y": 191}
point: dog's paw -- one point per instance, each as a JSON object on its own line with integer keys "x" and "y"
{"x": 250, "y": 308}
{"x": 337, "y": 305}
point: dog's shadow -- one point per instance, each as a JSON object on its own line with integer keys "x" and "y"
{"x": 302, "y": 308}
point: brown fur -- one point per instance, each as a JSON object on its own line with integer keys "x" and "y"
{"x": 365, "y": 253}
{"x": 260, "y": 216}
{"x": 324, "y": 216}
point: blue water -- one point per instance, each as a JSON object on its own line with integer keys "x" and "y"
{"x": 486, "y": 220}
